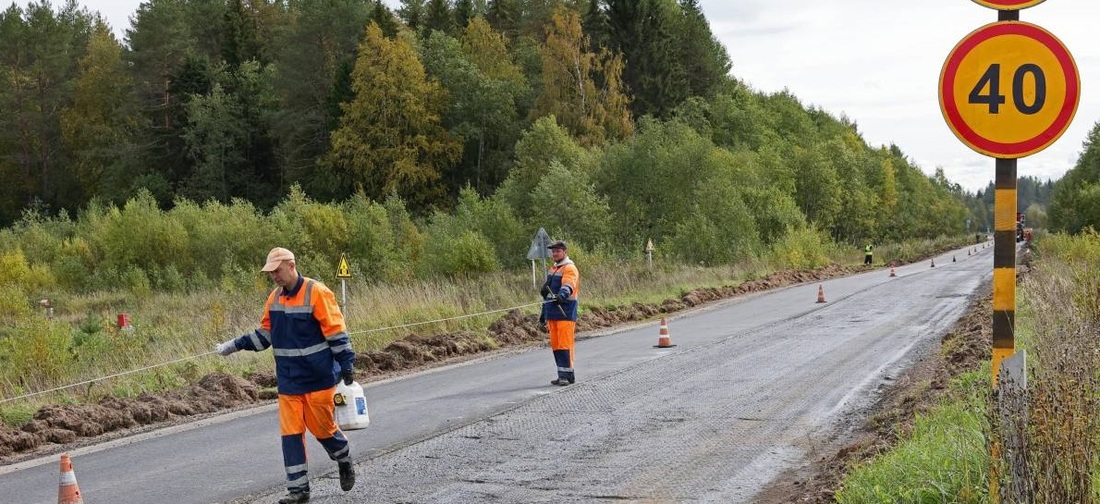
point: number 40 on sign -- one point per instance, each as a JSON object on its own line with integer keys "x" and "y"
{"x": 1009, "y": 89}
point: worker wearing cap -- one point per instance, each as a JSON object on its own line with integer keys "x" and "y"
{"x": 559, "y": 310}
{"x": 304, "y": 327}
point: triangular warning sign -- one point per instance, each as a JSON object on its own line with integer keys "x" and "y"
{"x": 344, "y": 271}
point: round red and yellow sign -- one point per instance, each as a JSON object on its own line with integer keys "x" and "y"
{"x": 1009, "y": 89}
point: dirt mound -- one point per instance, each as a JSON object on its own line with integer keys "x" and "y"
{"x": 66, "y": 424}
{"x": 63, "y": 424}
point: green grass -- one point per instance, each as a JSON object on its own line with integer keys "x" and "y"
{"x": 943, "y": 459}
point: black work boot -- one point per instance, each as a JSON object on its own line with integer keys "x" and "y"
{"x": 347, "y": 475}
{"x": 561, "y": 382}
{"x": 295, "y": 498}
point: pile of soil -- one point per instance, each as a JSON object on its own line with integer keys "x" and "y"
{"x": 57, "y": 427}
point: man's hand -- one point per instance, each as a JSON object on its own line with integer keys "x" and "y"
{"x": 348, "y": 375}
{"x": 226, "y": 348}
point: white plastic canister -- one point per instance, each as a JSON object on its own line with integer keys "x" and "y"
{"x": 351, "y": 406}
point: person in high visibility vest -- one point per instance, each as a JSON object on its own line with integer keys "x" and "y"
{"x": 867, "y": 254}
{"x": 559, "y": 311}
{"x": 304, "y": 327}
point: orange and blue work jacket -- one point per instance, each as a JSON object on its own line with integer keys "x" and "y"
{"x": 306, "y": 332}
{"x": 564, "y": 280}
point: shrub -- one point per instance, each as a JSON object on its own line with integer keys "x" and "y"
{"x": 463, "y": 254}
{"x": 801, "y": 248}
{"x": 142, "y": 236}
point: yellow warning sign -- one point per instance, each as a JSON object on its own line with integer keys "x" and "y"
{"x": 344, "y": 271}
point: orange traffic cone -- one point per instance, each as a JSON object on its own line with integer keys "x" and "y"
{"x": 663, "y": 338}
{"x": 67, "y": 490}
{"x": 892, "y": 275}
{"x": 820, "y": 294}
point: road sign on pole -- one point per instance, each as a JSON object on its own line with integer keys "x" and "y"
{"x": 539, "y": 250}
{"x": 1009, "y": 89}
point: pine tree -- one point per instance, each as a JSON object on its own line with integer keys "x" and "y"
{"x": 390, "y": 140}
{"x": 438, "y": 17}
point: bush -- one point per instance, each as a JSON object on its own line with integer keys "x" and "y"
{"x": 802, "y": 248}
{"x": 142, "y": 236}
{"x": 464, "y": 254}
{"x": 220, "y": 236}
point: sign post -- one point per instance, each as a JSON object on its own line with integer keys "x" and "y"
{"x": 539, "y": 250}
{"x": 343, "y": 272}
{"x": 649, "y": 253}
{"x": 1008, "y": 90}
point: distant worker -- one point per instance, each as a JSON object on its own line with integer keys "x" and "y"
{"x": 304, "y": 326}
{"x": 868, "y": 253}
{"x": 559, "y": 311}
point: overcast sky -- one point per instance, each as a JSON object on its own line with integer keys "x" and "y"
{"x": 877, "y": 62}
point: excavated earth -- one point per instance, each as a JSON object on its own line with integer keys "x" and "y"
{"x": 62, "y": 427}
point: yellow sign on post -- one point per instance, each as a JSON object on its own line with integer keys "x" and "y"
{"x": 1009, "y": 89}
{"x": 344, "y": 271}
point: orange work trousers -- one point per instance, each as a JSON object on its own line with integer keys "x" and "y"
{"x": 562, "y": 343}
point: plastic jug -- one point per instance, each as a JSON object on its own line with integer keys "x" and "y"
{"x": 351, "y": 406}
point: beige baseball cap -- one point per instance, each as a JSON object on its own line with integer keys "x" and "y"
{"x": 276, "y": 257}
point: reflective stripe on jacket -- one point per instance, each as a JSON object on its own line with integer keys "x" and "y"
{"x": 306, "y": 332}
{"x": 564, "y": 280}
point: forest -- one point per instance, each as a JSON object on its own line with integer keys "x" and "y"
{"x": 608, "y": 122}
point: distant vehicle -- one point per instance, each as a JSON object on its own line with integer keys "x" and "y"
{"x": 1019, "y": 227}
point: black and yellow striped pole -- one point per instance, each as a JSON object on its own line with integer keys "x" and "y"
{"x": 1004, "y": 263}
{"x": 1008, "y": 89}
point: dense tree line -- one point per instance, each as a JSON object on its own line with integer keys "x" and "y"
{"x": 610, "y": 122}
{"x": 1075, "y": 204}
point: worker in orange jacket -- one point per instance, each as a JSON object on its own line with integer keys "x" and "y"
{"x": 304, "y": 327}
{"x": 559, "y": 311}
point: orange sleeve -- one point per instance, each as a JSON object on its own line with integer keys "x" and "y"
{"x": 265, "y": 321}
{"x": 571, "y": 277}
{"x": 327, "y": 311}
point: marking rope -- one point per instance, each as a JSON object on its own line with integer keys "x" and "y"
{"x": 182, "y": 359}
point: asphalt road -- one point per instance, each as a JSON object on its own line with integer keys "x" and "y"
{"x": 750, "y": 387}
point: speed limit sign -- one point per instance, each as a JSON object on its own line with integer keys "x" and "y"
{"x": 1009, "y": 89}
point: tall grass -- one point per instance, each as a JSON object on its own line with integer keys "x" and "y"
{"x": 1053, "y": 424}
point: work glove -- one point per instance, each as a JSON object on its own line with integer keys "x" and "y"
{"x": 348, "y": 375}
{"x": 226, "y": 348}
{"x": 551, "y": 297}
